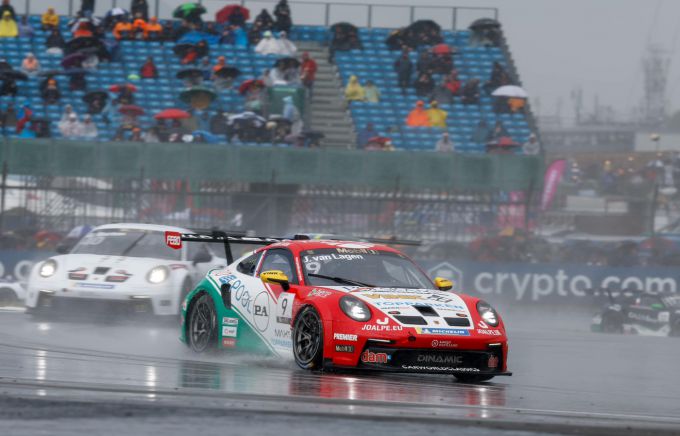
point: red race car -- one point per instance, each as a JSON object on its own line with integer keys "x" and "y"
{"x": 340, "y": 305}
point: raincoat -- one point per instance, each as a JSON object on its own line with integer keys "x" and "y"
{"x": 437, "y": 116}
{"x": 8, "y": 27}
{"x": 268, "y": 45}
{"x": 354, "y": 91}
{"x": 418, "y": 116}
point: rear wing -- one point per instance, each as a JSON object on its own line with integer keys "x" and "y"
{"x": 174, "y": 240}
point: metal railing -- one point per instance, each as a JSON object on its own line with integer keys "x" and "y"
{"x": 303, "y": 12}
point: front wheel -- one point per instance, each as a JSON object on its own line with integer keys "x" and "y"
{"x": 465, "y": 378}
{"x": 611, "y": 323}
{"x": 308, "y": 339}
{"x": 202, "y": 322}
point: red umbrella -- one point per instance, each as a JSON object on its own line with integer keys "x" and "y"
{"x": 504, "y": 141}
{"x": 131, "y": 109}
{"x": 223, "y": 14}
{"x": 441, "y": 49}
{"x": 172, "y": 114}
{"x": 245, "y": 86}
{"x": 120, "y": 86}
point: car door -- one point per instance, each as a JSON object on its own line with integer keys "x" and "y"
{"x": 649, "y": 311}
{"x": 281, "y": 306}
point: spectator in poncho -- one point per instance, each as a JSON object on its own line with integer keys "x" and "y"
{"x": 268, "y": 45}
{"x": 372, "y": 93}
{"x": 8, "y": 27}
{"x": 292, "y": 114}
{"x": 89, "y": 128}
{"x": 445, "y": 144}
{"x": 436, "y": 116}
{"x": 148, "y": 70}
{"x": 286, "y": 46}
{"x": 49, "y": 20}
{"x": 7, "y": 7}
{"x": 30, "y": 65}
{"x": 153, "y": 29}
{"x": 308, "y": 71}
{"x": 71, "y": 128}
{"x": 354, "y": 91}
{"x": 418, "y": 116}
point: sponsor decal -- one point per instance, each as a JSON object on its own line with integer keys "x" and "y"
{"x": 174, "y": 266}
{"x": 383, "y": 321}
{"x": 344, "y": 348}
{"x": 392, "y": 297}
{"x": 443, "y": 344}
{"x": 284, "y": 320}
{"x": 489, "y": 332}
{"x": 438, "y": 368}
{"x": 228, "y": 342}
{"x": 94, "y": 285}
{"x": 370, "y": 357}
{"x": 461, "y": 315}
{"x": 382, "y": 328}
{"x": 642, "y": 317}
{"x": 229, "y": 321}
{"x": 221, "y": 273}
{"x": 482, "y": 325}
{"x": 493, "y": 362}
{"x": 437, "y": 358}
{"x": 173, "y": 240}
{"x": 345, "y": 337}
{"x": 229, "y": 331}
{"x": 319, "y": 293}
{"x": 282, "y": 333}
{"x": 261, "y": 311}
{"x": 442, "y": 331}
{"x": 394, "y": 312}
{"x": 332, "y": 256}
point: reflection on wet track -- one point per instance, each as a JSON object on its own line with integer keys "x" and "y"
{"x": 560, "y": 373}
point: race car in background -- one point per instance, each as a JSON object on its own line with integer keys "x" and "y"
{"x": 638, "y": 313}
{"x": 340, "y": 305}
{"x": 120, "y": 268}
{"x": 12, "y": 292}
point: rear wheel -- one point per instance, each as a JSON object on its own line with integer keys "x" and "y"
{"x": 465, "y": 378}
{"x": 8, "y": 297}
{"x": 612, "y": 323}
{"x": 308, "y": 339}
{"x": 202, "y": 321}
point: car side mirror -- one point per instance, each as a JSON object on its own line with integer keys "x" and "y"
{"x": 443, "y": 284}
{"x": 202, "y": 256}
{"x": 276, "y": 277}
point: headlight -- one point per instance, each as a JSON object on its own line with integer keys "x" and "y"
{"x": 487, "y": 313}
{"x": 48, "y": 268}
{"x": 158, "y": 274}
{"x": 355, "y": 308}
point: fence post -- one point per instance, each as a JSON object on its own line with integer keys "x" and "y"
{"x": 455, "y": 19}
{"x": 3, "y": 191}
{"x": 370, "y": 16}
{"x": 328, "y": 14}
{"x": 70, "y": 8}
{"x": 413, "y": 14}
{"x": 156, "y": 8}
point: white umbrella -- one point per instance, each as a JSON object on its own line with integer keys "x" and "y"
{"x": 510, "y": 91}
{"x": 116, "y": 12}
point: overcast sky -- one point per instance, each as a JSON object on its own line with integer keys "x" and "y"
{"x": 563, "y": 44}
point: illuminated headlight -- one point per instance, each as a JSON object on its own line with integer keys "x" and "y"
{"x": 487, "y": 313}
{"x": 158, "y": 275}
{"x": 355, "y": 308}
{"x": 48, "y": 268}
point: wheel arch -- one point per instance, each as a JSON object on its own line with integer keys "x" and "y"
{"x": 204, "y": 287}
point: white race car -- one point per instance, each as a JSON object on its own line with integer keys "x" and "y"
{"x": 120, "y": 268}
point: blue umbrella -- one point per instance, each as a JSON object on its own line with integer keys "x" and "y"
{"x": 194, "y": 37}
{"x": 210, "y": 138}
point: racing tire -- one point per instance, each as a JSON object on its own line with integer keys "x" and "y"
{"x": 470, "y": 378}
{"x": 611, "y": 323}
{"x": 8, "y": 297}
{"x": 308, "y": 339}
{"x": 202, "y": 325}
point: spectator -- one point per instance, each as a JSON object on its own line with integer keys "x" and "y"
{"x": 404, "y": 69}
{"x": 292, "y": 114}
{"x": 23, "y": 117}
{"x": 240, "y": 36}
{"x": 444, "y": 144}
{"x": 195, "y": 52}
{"x": 8, "y": 27}
{"x": 372, "y": 92}
{"x": 138, "y": 27}
{"x": 236, "y": 18}
{"x": 354, "y": 91}
{"x": 364, "y": 135}
{"x": 136, "y": 134}
{"x": 531, "y": 147}
{"x": 425, "y": 62}
{"x": 148, "y": 70}
{"x": 286, "y": 46}
{"x": 25, "y": 28}
{"x": 264, "y": 21}
{"x": 152, "y": 135}
{"x": 71, "y": 128}
{"x": 89, "y": 128}
{"x": 139, "y": 8}
{"x": 499, "y": 77}
{"x": 268, "y": 45}
{"x": 452, "y": 83}
{"x": 283, "y": 19}
{"x": 482, "y": 133}
{"x": 254, "y": 35}
{"x": 30, "y": 65}
{"x": 418, "y": 116}
{"x": 436, "y": 116}
{"x": 6, "y": 7}
{"x": 424, "y": 85}
{"x": 498, "y": 132}
{"x": 50, "y": 20}
{"x": 308, "y": 71}
{"x": 442, "y": 94}
{"x": 516, "y": 104}
{"x": 470, "y": 92}
{"x": 55, "y": 43}
{"x": 83, "y": 30}
{"x": 122, "y": 30}
{"x": 219, "y": 81}
{"x": 125, "y": 95}
{"x": 153, "y": 29}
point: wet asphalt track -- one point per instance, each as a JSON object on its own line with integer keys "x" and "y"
{"x": 62, "y": 377}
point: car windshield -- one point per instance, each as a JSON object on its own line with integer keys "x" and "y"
{"x": 672, "y": 301}
{"x": 127, "y": 242}
{"x": 361, "y": 266}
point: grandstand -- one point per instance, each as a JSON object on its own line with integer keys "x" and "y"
{"x": 374, "y": 62}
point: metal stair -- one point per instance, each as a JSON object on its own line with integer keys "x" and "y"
{"x": 328, "y": 112}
